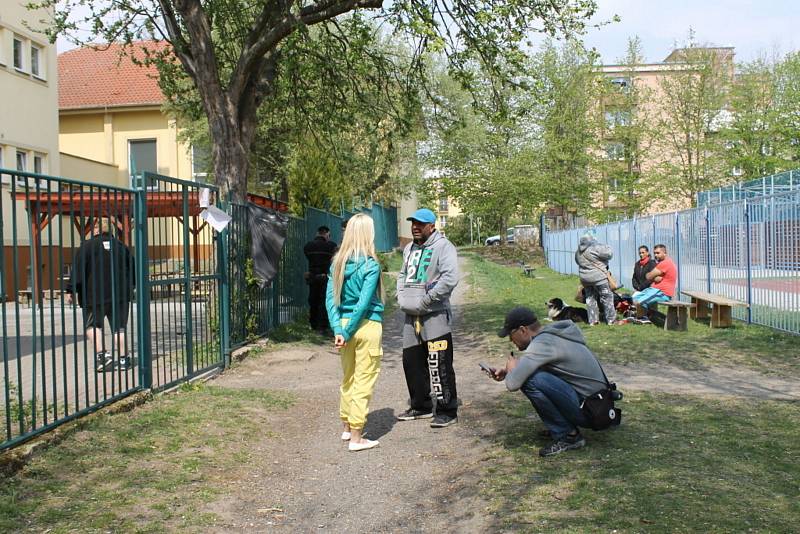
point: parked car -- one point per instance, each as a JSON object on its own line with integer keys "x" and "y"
{"x": 495, "y": 239}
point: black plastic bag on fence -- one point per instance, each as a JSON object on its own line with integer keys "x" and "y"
{"x": 268, "y": 229}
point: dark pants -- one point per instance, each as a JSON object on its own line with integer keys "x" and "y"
{"x": 431, "y": 364}
{"x": 317, "y": 314}
{"x": 556, "y": 402}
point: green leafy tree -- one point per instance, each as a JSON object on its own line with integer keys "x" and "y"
{"x": 232, "y": 50}
{"x": 752, "y": 141}
{"x": 694, "y": 96}
{"x": 626, "y": 136}
{"x": 787, "y": 106}
{"x": 565, "y": 94}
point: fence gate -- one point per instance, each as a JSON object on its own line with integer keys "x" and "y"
{"x": 182, "y": 293}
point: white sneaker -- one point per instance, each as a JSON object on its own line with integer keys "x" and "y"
{"x": 364, "y": 445}
{"x": 345, "y": 436}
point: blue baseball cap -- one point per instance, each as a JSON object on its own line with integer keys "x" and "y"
{"x": 423, "y": 215}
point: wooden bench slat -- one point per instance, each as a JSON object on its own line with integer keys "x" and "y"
{"x": 715, "y": 299}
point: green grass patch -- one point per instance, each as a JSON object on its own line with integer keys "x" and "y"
{"x": 677, "y": 464}
{"x": 148, "y": 470}
{"x": 497, "y": 288}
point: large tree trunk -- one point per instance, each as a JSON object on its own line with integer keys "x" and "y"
{"x": 231, "y": 163}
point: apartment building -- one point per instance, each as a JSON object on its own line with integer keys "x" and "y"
{"x": 618, "y": 113}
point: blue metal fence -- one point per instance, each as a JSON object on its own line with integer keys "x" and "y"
{"x": 748, "y": 250}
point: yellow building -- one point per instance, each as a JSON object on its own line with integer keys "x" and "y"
{"x": 28, "y": 120}
{"x": 110, "y": 113}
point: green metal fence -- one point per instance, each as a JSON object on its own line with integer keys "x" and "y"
{"x": 172, "y": 310}
{"x": 49, "y": 354}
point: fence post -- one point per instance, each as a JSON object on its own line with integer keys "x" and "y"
{"x": 708, "y": 250}
{"x": 224, "y": 289}
{"x": 619, "y": 244}
{"x": 187, "y": 277}
{"x": 142, "y": 291}
{"x": 678, "y": 250}
{"x": 749, "y": 266}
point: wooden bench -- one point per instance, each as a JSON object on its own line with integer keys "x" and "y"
{"x": 527, "y": 270}
{"x": 721, "y": 307}
{"x": 677, "y": 315}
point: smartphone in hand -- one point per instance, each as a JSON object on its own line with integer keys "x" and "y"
{"x": 487, "y": 369}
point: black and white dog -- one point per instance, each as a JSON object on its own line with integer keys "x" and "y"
{"x": 558, "y": 311}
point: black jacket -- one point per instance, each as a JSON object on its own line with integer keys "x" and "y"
{"x": 320, "y": 253}
{"x": 640, "y": 282}
{"x": 102, "y": 272}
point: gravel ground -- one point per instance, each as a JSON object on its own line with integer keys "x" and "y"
{"x": 418, "y": 480}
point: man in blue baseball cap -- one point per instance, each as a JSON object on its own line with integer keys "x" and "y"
{"x": 427, "y": 278}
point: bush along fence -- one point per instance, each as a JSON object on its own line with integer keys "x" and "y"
{"x": 141, "y": 261}
{"x": 747, "y": 250}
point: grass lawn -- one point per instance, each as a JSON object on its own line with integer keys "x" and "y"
{"x": 498, "y": 288}
{"x": 148, "y": 470}
{"x": 678, "y": 463}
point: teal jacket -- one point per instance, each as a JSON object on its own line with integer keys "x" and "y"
{"x": 359, "y": 300}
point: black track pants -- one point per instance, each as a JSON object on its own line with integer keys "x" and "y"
{"x": 431, "y": 363}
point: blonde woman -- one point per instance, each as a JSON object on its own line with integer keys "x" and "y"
{"x": 355, "y": 310}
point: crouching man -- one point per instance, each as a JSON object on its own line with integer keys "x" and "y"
{"x": 556, "y": 371}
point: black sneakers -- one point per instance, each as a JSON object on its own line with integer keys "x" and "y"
{"x": 411, "y": 414}
{"x": 124, "y": 363}
{"x": 564, "y": 444}
{"x": 441, "y": 421}
{"x": 103, "y": 362}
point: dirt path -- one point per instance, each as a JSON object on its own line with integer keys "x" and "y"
{"x": 419, "y": 479}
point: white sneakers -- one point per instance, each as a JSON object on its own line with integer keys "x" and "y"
{"x": 364, "y": 445}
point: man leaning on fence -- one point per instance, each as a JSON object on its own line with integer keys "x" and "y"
{"x": 103, "y": 278}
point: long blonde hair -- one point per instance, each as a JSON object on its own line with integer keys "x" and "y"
{"x": 358, "y": 241}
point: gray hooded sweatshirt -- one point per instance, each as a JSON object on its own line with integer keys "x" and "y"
{"x": 591, "y": 257}
{"x": 560, "y": 349}
{"x": 427, "y": 278}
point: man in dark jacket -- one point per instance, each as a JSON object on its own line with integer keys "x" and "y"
{"x": 319, "y": 252}
{"x": 555, "y": 371}
{"x": 642, "y": 267}
{"x": 103, "y": 278}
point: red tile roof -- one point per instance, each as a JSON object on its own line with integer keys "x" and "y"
{"x": 98, "y": 77}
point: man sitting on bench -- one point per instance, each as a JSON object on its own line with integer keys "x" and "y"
{"x": 663, "y": 277}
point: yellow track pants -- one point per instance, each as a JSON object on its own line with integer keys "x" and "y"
{"x": 361, "y": 363}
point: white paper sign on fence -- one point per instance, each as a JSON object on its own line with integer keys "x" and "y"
{"x": 217, "y": 218}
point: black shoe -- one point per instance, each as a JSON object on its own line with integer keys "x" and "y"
{"x": 124, "y": 363}
{"x": 411, "y": 414}
{"x": 566, "y": 443}
{"x": 441, "y": 421}
{"x": 103, "y": 362}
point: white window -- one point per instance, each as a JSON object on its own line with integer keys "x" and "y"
{"x": 36, "y": 67}
{"x": 615, "y": 151}
{"x": 19, "y": 59}
{"x": 737, "y": 171}
{"x": 4, "y": 178}
{"x": 142, "y": 158}
{"x": 621, "y": 83}
{"x": 38, "y": 163}
{"x": 2, "y": 47}
{"x": 22, "y": 160}
{"x": 617, "y": 118}
{"x": 201, "y": 163}
{"x": 442, "y": 221}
